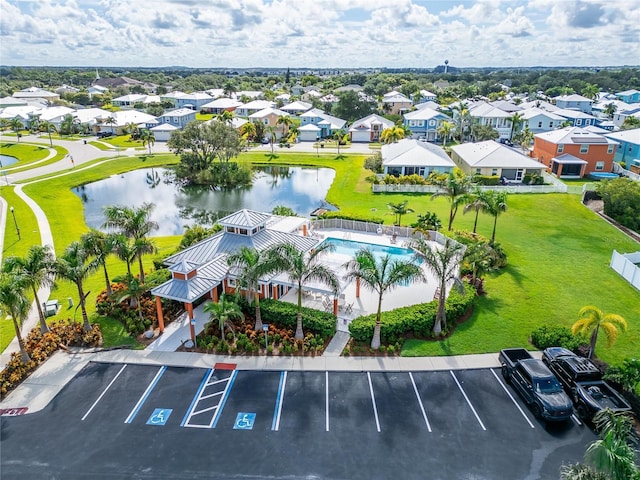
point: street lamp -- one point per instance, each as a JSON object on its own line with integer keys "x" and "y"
{"x": 317, "y": 145}
{"x": 15, "y": 222}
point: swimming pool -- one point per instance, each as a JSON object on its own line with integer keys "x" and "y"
{"x": 350, "y": 247}
{"x": 602, "y": 175}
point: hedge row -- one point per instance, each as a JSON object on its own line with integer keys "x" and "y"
{"x": 359, "y": 218}
{"x": 416, "y": 320}
{"x": 285, "y": 315}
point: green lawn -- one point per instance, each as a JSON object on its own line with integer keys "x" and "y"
{"x": 558, "y": 253}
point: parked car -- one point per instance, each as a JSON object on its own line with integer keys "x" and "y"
{"x": 104, "y": 134}
{"x": 506, "y": 141}
{"x": 536, "y": 384}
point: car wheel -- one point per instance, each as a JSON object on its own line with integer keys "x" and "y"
{"x": 537, "y": 411}
{"x": 582, "y": 412}
{"x": 505, "y": 374}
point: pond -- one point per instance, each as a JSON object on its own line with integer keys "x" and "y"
{"x": 6, "y": 160}
{"x": 299, "y": 188}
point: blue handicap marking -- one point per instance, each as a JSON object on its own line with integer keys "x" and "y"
{"x": 244, "y": 421}
{"x": 159, "y": 416}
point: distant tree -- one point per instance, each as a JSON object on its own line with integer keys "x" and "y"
{"x": 481, "y": 133}
{"x": 590, "y": 91}
{"x": 610, "y": 109}
{"x": 351, "y": 107}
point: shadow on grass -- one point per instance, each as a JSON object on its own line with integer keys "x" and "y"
{"x": 271, "y": 156}
{"x": 515, "y": 273}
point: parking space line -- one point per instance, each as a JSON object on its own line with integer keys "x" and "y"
{"x": 275, "y": 425}
{"x": 196, "y": 398}
{"x": 512, "y": 399}
{"x": 373, "y": 401}
{"x": 205, "y": 397}
{"x": 326, "y": 398}
{"x": 103, "y": 392}
{"x": 424, "y": 414}
{"x": 467, "y": 399}
{"x": 145, "y": 395}
{"x": 575, "y": 419}
{"x": 225, "y": 395}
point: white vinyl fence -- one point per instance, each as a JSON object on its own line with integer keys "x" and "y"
{"x": 626, "y": 264}
{"x": 621, "y": 171}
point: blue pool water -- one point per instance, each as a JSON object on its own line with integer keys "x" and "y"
{"x": 603, "y": 175}
{"x": 350, "y": 247}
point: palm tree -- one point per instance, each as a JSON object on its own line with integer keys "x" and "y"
{"x": 516, "y": 121}
{"x": 253, "y": 266}
{"x": 124, "y": 249}
{"x": 392, "y": 134}
{"x": 16, "y": 125}
{"x": 590, "y": 91}
{"x": 286, "y": 121}
{"x": 47, "y": 127}
{"x": 68, "y": 124}
{"x": 148, "y": 138}
{"x": 14, "y": 302}
{"x": 445, "y": 129}
{"x": 455, "y": 186}
{"x": 100, "y": 245}
{"x": 478, "y": 257}
{"x": 132, "y": 129}
{"x": 630, "y": 122}
{"x": 248, "y": 130}
{"x": 399, "y": 209}
{"x": 339, "y": 136}
{"x": 592, "y": 319}
{"x": 111, "y": 121}
{"x": 271, "y": 133}
{"x": 526, "y": 137}
{"x": 381, "y": 276}
{"x": 476, "y": 201}
{"x": 135, "y": 224}
{"x": 134, "y": 290}
{"x": 301, "y": 268}
{"x": 462, "y": 120}
{"x": 495, "y": 204}
{"x": 226, "y": 117}
{"x": 443, "y": 261}
{"x": 75, "y": 266}
{"x": 610, "y": 109}
{"x": 222, "y": 313}
{"x": 35, "y": 271}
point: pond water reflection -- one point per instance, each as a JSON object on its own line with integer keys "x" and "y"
{"x": 299, "y": 188}
{"x": 6, "y": 160}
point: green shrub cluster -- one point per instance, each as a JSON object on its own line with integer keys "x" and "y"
{"x": 416, "y": 320}
{"x": 532, "y": 179}
{"x": 359, "y": 218}
{"x": 555, "y": 336}
{"x": 413, "y": 179}
{"x": 491, "y": 180}
{"x": 285, "y": 314}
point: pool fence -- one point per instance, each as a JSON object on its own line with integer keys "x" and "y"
{"x": 626, "y": 264}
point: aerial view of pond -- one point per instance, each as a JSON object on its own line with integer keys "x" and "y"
{"x": 299, "y": 188}
{"x": 6, "y": 160}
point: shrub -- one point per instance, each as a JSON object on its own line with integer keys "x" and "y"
{"x": 285, "y": 314}
{"x": 627, "y": 375}
{"x": 555, "y": 336}
{"x": 486, "y": 180}
{"x": 360, "y": 218}
{"x": 374, "y": 163}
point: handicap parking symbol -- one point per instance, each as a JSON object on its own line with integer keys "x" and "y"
{"x": 159, "y": 416}
{"x": 244, "y": 421}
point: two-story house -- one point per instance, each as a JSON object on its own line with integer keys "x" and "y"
{"x": 424, "y": 123}
{"x": 628, "y": 152}
{"x": 193, "y": 100}
{"x": 394, "y": 103}
{"x": 269, "y": 117}
{"x": 538, "y": 120}
{"x": 575, "y": 102}
{"x": 252, "y": 107}
{"x": 369, "y": 128}
{"x": 326, "y": 125}
{"x": 178, "y": 117}
{"x": 484, "y": 113}
{"x": 574, "y": 152}
{"x": 629, "y": 96}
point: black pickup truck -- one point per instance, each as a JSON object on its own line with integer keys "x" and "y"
{"x": 536, "y": 384}
{"x": 583, "y": 381}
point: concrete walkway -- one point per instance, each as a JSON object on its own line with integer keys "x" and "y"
{"x": 337, "y": 344}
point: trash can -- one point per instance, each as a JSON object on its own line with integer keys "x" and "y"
{"x": 70, "y": 300}
{"x": 85, "y": 142}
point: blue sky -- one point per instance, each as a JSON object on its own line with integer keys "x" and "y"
{"x": 319, "y": 33}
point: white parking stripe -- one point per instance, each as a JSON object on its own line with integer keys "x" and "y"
{"x": 504, "y": 387}
{"x": 424, "y": 414}
{"x": 467, "y": 399}
{"x": 103, "y": 392}
{"x": 575, "y": 419}
{"x": 373, "y": 401}
{"x": 280, "y": 400}
{"x": 326, "y": 395}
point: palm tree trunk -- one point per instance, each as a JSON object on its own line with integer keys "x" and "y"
{"x": 24, "y": 356}
{"x": 375, "y": 341}
{"x": 475, "y": 223}
{"x": 441, "y": 315}
{"x": 43, "y": 323}
{"x": 128, "y": 267}
{"x": 141, "y": 268}
{"x": 451, "y": 216}
{"x": 299, "y": 333}
{"x": 493, "y": 235}
{"x": 86, "y": 326}
{"x": 258, "y": 325}
{"x": 593, "y": 341}
{"x": 106, "y": 279}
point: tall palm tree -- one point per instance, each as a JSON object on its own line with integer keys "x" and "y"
{"x": 111, "y": 121}
{"x": 35, "y": 271}
{"x": 75, "y": 265}
{"x": 132, "y": 129}
{"x": 271, "y": 133}
{"x": 592, "y": 320}
{"x": 610, "y": 109}
{"x": 124, "y": 249}
{"x": 392, "y": 134}
{"x": 252, "y": 266}
{"x": 454, "y": 186}
{"x": 248, "y": 130}
{"x": 222, "y": 313}
{"x": 516, "y": 121}
{"x": 148, "y": 139}
{"x": 14, "y": 302}
{"x": 47, "y": 127}
{"x": 445, "y": 129}
{"x": 526, "y": 137}
{"x": 286, "y": 121}
{"x": 590, "y": 91}
{"x": 443, "y": 261}
{"x": 381, "y": 276}
{"x": 495, "y": 204}
{"x": 226, "y": 117}
{"x": 68, "y": 124}
{"x": 100, "y": 245}
{"x": 399, "y": 209}
{"x": 475, "y": 201}
{"x": 339, "y": 136}
{"x": 17, "y": 126}
{"x": 301, "y": 268}
{"x": 461, "y": 119}
{"x": 135, "y": 224}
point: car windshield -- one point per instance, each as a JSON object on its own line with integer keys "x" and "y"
{"x": 548, "y": 385}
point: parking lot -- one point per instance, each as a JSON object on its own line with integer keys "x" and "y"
{"x": 140, "y": 421}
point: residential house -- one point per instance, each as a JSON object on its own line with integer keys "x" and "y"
{"x": 201, "y": 271}
{"x": 35, "y": 93}
{"x": 369, "y": 128}
{"x": 620, "y": 116}
{"x": 426, "y": 96}
{"x": 490, "y": 158}
{"x": 575, "y": 102}
{"x": 12, "y": 102}
{"x": 327, "y": 124}
{"x": 600, "y": 106}
{"x": 128, "y": 101}
{"x": 53, "y": 115}
{"x": 124, "y": 82}
{"x": 484, "y": 113}
{"x": 352, "y": 87}
{"x": 507, "y": 106}
{"x": 220, "y": 105}
{"x": 96, "y": 90}
{"x": 269, "y": 117}
{"x": 576, "y": 118}
{"x": 254, "y": 106}
{"x": 163, "y": 131}
{"x": 215, "y": 92}
{"x": 66, "y": 89}
{"x": 297, "y": 89}
{"x": 178, "y": 118}
{"x": 424, "y": 123}
{"x": 394, "y": 103}
{"x": 628, "y": 151}
{"x": 90, "y": 116}
{"x": 21, "y": 112}
{"x": 296, "y": 108}
{"x": 251, "y": 94}
{"x": 629, "y": 96}
{"x": 573, "y": 152}
{"x": 538, "y": 120}
{"x": 121, "y": 119}
{"x": 307, "y": 96}
{"x": 193, "y": 100}
{"x": 428, "y": 104}
{"x": 409, "y": 157}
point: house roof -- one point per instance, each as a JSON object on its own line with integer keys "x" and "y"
{"x": 178, "y": 112}
{"x": 245, "y": 218}
{"x": 628, "y": 92}
{"x": 335, "y": 122}
{"x": 51, "y": 113}
{"x": 572, "y": 98}
{"x": 427, "y": 93}
{"x": 35, "y": 92}
{"x": 222, "y": 102}
{"x": 486, "y": 110}
{"x": 163, "y": 127}
{"x": 309, "y": 127}
{"x": 530, "y": 113}
{"x": 491, "y": 154}
{"x": 364, "y": 124}
{"x": 429, "y": 104}
{"x": 570, "y": 113}
{"x": 85, "y": 115}
{"x": 257, "y": 105}
{"x": 573, "y": 135}
{"x": 408, "y": 152}
{"x": 568, "y": 158}
{"x": 209, "y": 275}
{"x": 297, "y": 107}
{"x": 506, "y": 106}
{"x": 398, "y": 98}
{"x": 424, "y": 114}
{"x": 626, "y": 136}
{"x": 265, "y": 112}
{"x": 196, "y": 96}
{"x": 123, "y": 117}
{"x": 131, "y": 98}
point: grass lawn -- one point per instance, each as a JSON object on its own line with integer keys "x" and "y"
{"x": 25, "y": 152}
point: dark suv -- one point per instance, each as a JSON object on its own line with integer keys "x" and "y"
{"x": 104, "y": 134}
